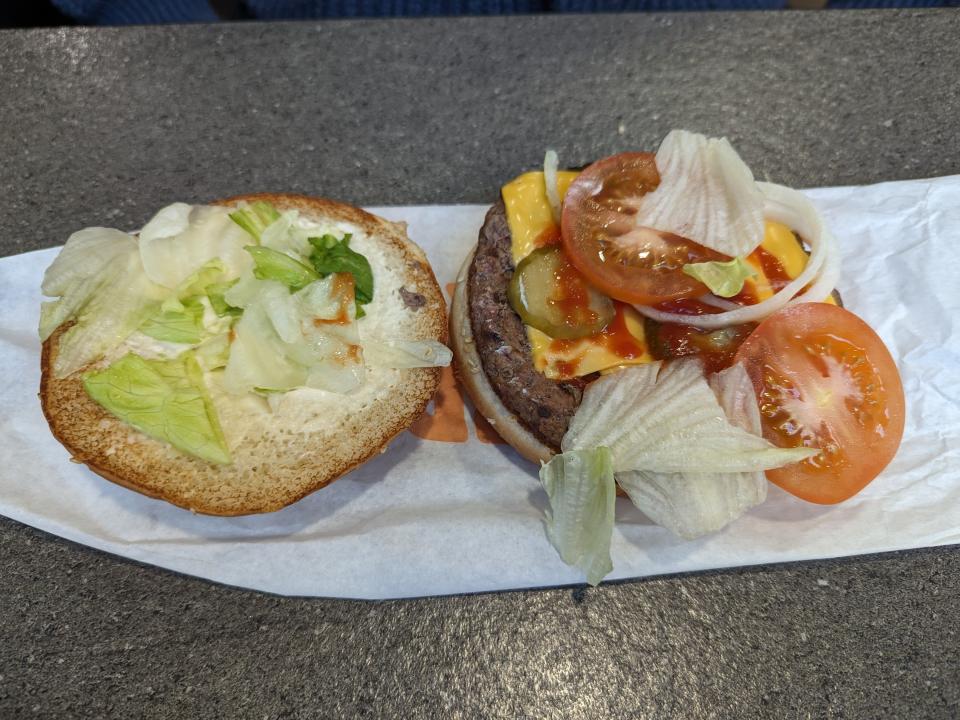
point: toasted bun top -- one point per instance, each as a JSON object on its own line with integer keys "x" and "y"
{"x": 313, "y": 437}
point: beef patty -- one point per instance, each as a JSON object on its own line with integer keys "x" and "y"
{"x": 541, "y": 405}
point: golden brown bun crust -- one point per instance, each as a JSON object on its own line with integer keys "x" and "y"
{"x": 289, "y": 454}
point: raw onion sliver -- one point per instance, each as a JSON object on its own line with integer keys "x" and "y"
{"x": 718, "y": 302}
{"x": 550, "y": 164}
{"x": 791, "y": 208}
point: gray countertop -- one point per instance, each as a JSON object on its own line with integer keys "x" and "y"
{"x": 104, "y": 126}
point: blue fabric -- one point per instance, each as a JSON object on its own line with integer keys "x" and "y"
{"x": 276, "y": 9}
{"x": 127, "y": 12}
{"x": 663, "y": 5}
{"x": 136, "y": 12}
{"x": 300, "y": 9}
{"x": 863, "y": 4}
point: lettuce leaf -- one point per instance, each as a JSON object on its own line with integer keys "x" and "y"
{"x": 274, "y": 265}
{"x": 279, "y": 345}
{"x": 108, "y": 317}
{"x": 331, "y": 255}
{"x": 258, "y": 357}
{"x": 582, "y": 492}
{"x": 166, "y": 399}
{"x": 208, "y": 274}
{"x": 694, "y": 504}
{"x": 725, "y": 279}
{"x": 178, "y": 326}
{"x": 665, "y": 418}
{"x": 181, "y": 239}
{"x": 214, "y": 352}
{"x": 91, "y": 259}
{"x": 255, "y": 218}
{"x": 216, "y": 295}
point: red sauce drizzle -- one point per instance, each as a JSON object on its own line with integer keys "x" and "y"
{"x": 615, "y": 338}
{"x": 571, "y": 295}
{"x": 747, "y": 295}
{"x": 687, "y": 306}
{"x": 343, "y": 292}
{"x": 772, "y": 268}
{"x": 568, "y": 368}
{"x": 550, "y": 236}
{"x": 618, "y": 339}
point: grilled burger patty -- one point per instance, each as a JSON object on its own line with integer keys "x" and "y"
{"x": 541, "y": 405}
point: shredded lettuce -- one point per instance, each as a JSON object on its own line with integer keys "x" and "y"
{"x": 331, "y": 255}
{"x": 86, "y": 253}
{"x": 214, "y": 352}
{"x": 286, "y": 236}
{"x": 197, "y": 283}
{"x": 167, "y": 222}
{"x": 725, "y": 279}
{"x": 694, "y": 504}
{"x": 282, "y": 309}
{"x": 280, "y": 345}
{"x": 107, "y": 317}
{"x": 581, "y": 489}
{"x": 216, "y": 295}
{"x": 664, "y": 418}
{"x": 178, "y": 326}
{"x": 166, "y": 399}
{"x": 258, "y": 357}
{"x": 255, "y": 218}
{"x": 706, "y": 193}
{"x": 242, "y": 292}
{"x": 91, "y": 259}
{"x": 181, "y": 238}
{"x": 273, "y": 265}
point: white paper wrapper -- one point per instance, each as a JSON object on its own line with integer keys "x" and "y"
{"x": 430, "y": 518}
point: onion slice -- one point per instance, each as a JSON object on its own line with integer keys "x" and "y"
{"x": 793, "y": 209}
{"x": 718, "y": 302}
{"x": 550, "y": 164}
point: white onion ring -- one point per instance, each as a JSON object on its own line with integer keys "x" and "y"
{"x": 829, "y": 275}
{"x": 550, "y": 165}
{"x": 718, "y": 302}
{"x": 793, "y": 209}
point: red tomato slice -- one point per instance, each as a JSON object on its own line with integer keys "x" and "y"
{"x": 825, "y": 380}
{"x": 630, "y": 263}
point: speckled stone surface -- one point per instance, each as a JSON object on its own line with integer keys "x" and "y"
{"x": 104, "y": 126}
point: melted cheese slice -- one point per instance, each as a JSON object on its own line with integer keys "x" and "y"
{"x": 779, "y": 259}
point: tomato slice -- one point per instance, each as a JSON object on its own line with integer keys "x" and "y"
{"x": 630, "y": 263}
{"x": 825, "y": 380}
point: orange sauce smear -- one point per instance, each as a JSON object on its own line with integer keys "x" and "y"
{"x": 616, "y": 338}
{"x": 571, "y": 296}
{"x": 343, "y": 293}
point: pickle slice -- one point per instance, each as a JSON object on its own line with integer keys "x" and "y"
{"x": 550, "y": 294}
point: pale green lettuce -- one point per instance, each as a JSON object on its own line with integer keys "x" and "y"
{"x": 581, "y": 489}
{"x": 177, "y": 326}
{"x": 255, "y": 217}
{"x": 166, "y": 399}
{"x": 182, "y": 238}
{"x": 725, "y": 279}
{"x": 275, "y": 265}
